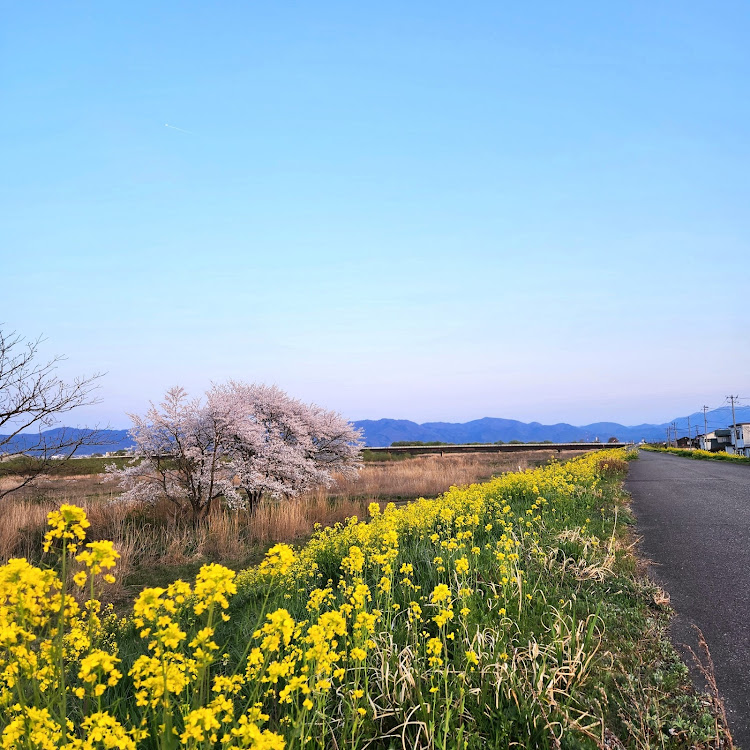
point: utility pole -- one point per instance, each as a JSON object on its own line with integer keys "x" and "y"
{"x": 690, "y": 440}
{"x": 705, "y": 424}
{"x": 734, "y": 421}
{"x": 668, "y": 436}
{"x": 674, "y": 427}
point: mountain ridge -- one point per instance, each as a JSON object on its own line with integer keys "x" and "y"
{"x": 383, "y": 432}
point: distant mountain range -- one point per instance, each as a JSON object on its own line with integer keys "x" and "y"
{"x": 112, "y": 440}
{"x": 383, "y": 432}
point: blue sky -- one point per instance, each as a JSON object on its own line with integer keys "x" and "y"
{"x": 432, "y": 211}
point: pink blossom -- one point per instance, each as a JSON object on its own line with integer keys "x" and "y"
{"x": 241, "y": 442}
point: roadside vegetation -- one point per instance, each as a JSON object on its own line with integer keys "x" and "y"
{"x": 505, "y": 613}
{"x": 156, "y": 547}
{"x": 697, "y": 454}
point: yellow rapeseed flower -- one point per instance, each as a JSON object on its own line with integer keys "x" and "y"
{"x": 69, "y": 524}
{"x": 213, "y": 584}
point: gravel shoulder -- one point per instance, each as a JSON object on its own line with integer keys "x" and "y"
{"x": 693, "y": 518}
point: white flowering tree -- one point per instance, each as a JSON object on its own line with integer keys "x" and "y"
{"x": 241, "y": 442}
{"x": 280, "y": 446}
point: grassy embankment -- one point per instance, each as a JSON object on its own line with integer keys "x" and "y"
{"x": 508, "y": 613}
{"x": 697, "y": 454}
{"x": 157, "y": 548}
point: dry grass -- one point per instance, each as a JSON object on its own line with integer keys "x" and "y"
{"x": 430, "y": 475}
{"x": 612, "y": 466}
{"x": 155, "y": 545}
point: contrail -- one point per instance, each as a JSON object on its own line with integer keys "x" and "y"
{"x": 167, "y": 125}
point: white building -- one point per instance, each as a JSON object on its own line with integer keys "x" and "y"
{"x": 740, "y": 439}
{"x": 718, "y": 440}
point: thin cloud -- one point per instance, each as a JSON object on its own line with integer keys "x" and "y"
{"x": 189, "y": 132}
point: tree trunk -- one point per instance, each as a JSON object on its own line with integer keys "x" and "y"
{"x": 253, "y": 500}
{"x": 197, "y": 515}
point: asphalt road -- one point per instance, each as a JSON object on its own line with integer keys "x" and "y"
{"x": 694, "y": 520}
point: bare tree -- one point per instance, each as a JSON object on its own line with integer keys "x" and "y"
{"x": 32, "y": 399}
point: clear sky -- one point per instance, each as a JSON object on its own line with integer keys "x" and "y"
{"x": 424, "y": 210}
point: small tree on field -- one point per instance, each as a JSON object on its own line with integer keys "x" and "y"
{"x": 32, "y": 398}
{"x": 238, "y": 444}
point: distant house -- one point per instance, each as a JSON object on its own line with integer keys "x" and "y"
{"x": 740, "y": 435}
{"x": 716, "y": 441}
{"x": 685, "y": 442}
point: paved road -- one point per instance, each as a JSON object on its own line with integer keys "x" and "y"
{"x": 694, "y": 519}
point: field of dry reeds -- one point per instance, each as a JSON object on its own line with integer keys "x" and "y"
{"x": 157, "y": 547}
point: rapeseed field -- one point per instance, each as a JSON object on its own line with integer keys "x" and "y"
{"x": 473, "y": 620}
{"x": 700, "y": 454}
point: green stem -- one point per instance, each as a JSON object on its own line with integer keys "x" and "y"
{"x": 59, "y": 647}
{"x": 204, "y": 675}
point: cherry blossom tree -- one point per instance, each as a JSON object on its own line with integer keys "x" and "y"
{"x": 280, "y": 446}
{"x": 240, "y": 443}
